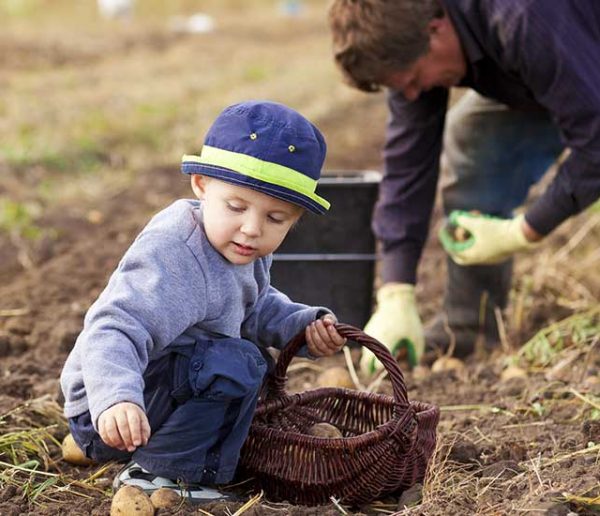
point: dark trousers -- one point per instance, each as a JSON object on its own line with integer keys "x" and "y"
{"x": 200, "y": 400}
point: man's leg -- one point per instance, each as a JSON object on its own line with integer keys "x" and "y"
{"x": 492, "y": 156}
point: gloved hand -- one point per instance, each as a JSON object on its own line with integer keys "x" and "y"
{"x": 396, "y": 324}
{"x": 489, "y": 239}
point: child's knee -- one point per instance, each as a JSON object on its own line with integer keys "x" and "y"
{"x": 227, "y": 369}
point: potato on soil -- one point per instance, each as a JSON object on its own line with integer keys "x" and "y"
{"x": 165, "y": 498}
{"x": 73, "y": 454}
{"x": 335, "y": 377}
{"x": 326, "y": 430}
{"x": 131, "y": 501}
{"x": 447, "y": 364}
{"x": 512, "y": 372}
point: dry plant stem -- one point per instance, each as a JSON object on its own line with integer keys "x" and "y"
{"x": 450, "y": 333}
{"x": 253, "y": 501}
{"x": 535, "y": 464}
{"x": 574, "y": 241}
{"x": 337, "y": 504}
{"x": 99, "y": 473}
{"x": 502, "y": 330}
{"x": 374, "y": 385}
{"x": 483, "y": 436}
{"x": 554, "y": 273}
{"x": 305, "y": 364}
{"x": 591, "y": 259}
{"x": 14, "y": 312}
{"x": 523, "y": 425}
{"x": 490, "y": 408}
{"x": 556, "y": 460}
{"x": 583, "y": 398}
{"x": 588, "y": 357}
{"x": 351, "y": 370}
{"x": 489, "y": 484}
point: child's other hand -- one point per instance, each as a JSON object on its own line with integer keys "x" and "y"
{"x": 322, "y": 339}
{"x": 124, "y": 426}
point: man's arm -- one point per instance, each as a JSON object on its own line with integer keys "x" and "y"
{"x": 407, "y": 191}
{"x": 557, "y": 53}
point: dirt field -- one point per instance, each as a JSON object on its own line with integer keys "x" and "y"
{"x": 94, "y": 117}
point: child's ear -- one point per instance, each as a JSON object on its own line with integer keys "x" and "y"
{"x": 199, "y": 185}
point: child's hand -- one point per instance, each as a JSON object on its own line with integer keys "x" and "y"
{"x": 124, "y": 426}
{"x": 322, "y": 339}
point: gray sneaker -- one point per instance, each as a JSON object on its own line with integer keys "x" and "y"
{"x": 133, "y": 474}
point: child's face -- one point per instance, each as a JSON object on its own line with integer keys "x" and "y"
{"x": 240, "y": 223}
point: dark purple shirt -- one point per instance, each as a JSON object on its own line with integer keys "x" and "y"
{"x": 528, "y": 54}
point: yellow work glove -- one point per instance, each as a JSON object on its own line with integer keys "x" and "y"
{"x": 487, "y": 240}
{"x": 396, "y": 324}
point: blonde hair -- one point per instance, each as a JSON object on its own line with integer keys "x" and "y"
{"x": 372, "y": 38}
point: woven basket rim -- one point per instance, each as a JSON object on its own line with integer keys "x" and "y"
{"x": 382, "y": 431}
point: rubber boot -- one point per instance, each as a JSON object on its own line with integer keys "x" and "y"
{"x": 472, "y": 295}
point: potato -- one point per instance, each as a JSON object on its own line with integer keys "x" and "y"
{"x": 458, "y": 233}
{"x": 325, "y": 430}
{"x": 165, "y": 498}
{"x": 131, "y": 501}
{"x": 512, "y": 372}
{"x": 420, "y": 372}
{"x": 335, "y": 377}
{"x": 73, "y": 454}
{"x": 447, "y": 364}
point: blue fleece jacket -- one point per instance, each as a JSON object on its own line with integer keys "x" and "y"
{"x": 170, "y": 288}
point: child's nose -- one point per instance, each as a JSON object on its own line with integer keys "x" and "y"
{"x": 251, "y": 227}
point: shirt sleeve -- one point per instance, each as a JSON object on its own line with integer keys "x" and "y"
{"x": 407, "y": 190}
{"x": 276, "y": 319}
{"x": 557, "y": 52}
{"x": 157, "y": 292}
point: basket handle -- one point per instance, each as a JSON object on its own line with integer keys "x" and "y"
{"x": 275, "y": 385}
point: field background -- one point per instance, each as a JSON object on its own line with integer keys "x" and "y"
{"x": 94, "y": 118}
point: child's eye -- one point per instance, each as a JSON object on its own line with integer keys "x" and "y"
{"x": 275, "y": 220}
{"x": 235, "y": 208}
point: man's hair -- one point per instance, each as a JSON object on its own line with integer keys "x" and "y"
{"x": 372, "y": 38}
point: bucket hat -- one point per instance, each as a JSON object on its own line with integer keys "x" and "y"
{"x": 265, "y": 146}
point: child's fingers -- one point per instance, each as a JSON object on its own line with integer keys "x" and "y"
{"x": 124, "y": 430}
{"x": 135, "y": 427}
{"x": 110, "y": 433}
{"x": 315, "y": 345}
{"x": 337, "y": 340}
{"x": 145, "y": 425}
{"x": 326, "y": 337}
{"x": 329, "y": 319}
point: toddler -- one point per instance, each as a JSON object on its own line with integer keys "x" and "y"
{"x": 167, "y": 370}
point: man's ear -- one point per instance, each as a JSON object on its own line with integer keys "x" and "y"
{"x": 438, "y": 25}
{"x": 198, "y": 183}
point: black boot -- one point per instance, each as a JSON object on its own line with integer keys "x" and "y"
{"x": 472, "y": 295}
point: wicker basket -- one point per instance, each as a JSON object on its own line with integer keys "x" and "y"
{"x": 386, "y": 445}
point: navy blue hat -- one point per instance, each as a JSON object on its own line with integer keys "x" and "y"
{"x": 265, "y": 146}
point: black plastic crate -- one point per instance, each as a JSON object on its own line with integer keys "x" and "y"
{"x": 329, "y": 259}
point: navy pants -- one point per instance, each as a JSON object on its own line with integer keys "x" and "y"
{"x": 200, "y": 400}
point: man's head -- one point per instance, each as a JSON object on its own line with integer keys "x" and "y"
{"x": 259, "y": 160}
{"x": 409, "y": 45}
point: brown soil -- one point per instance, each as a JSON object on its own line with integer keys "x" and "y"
{"x": 505, "y": 446}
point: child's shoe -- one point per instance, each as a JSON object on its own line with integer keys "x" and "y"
{"x": 133, "y": 474}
